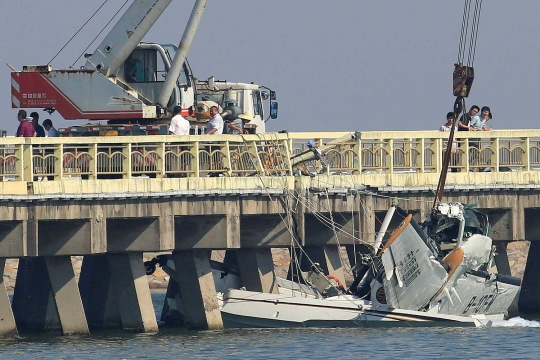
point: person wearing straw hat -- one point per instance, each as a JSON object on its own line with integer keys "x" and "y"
{"x": 236, "y": 126}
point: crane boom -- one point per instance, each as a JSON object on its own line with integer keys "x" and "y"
{"x": 126, "y": 35}
{"x": 183, "y": 48}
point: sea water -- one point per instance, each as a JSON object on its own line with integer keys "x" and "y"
{"x": 517, "y": 338}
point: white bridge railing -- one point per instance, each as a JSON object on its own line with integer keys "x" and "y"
{"x": 25, "y": 159}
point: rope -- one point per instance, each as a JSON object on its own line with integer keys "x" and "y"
{"x": 103, "y": 29}
{"x": 63, "y": 47}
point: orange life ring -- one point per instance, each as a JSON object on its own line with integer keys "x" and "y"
{"x": 340, "y": 285}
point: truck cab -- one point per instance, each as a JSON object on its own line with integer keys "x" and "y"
{"x": 145, "y": 71}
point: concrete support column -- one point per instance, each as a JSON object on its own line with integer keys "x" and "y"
{"x": 46, "y": 296}
{"x": 132, "y": 292}
{"x": 529, "y": 298}
{"x": 501, "y": 258}
{"x": 257, "y": 270}
{"x": 329, "y": 259}
{"x": 197, "y": 289}
{"x": 8, "y": 327}
{"x": 166, "y": 226}
{"x": 299, "y": 210}
{"x": 98, "y": 230}
{"x": 367, "y": 219}
{"x": 97, "y": 293}
{"x": 32, "y": 298}
{"x": 66, "y": 295}
{"x": 30, "y": 231}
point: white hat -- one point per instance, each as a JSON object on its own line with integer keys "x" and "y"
{"x": 247, "y": 116}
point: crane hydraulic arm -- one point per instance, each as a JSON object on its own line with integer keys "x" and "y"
{"x": 125, "y": 36}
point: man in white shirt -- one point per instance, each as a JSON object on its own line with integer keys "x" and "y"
{"x": 51, "y": 131}
{"x": 215, "y": 125}
{"x": 179, "y": 125}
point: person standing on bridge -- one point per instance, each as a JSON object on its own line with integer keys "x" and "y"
{"x": 486, "y": 116}
{"x": 179, "y": 125}
{"x": 215, "y": 125}
{"x": 466, "y": 119}
{"x": 51, "y": 131}
{"x": 236, "y": 127}
{"x": 25, "y": 128}
{"x": 35, "y": 122}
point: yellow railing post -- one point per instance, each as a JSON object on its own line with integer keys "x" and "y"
{"x": 27, "y": 161}
{"x": 526, "y": 147}
{"x": 126, "y": 161}
{"x": 466, "y": 154}
{"x": 495, "y": 155}
{"x": 390, "y": 156}
{"x": 19, "y": 164}
{"x": 438, "y": 154}
{"x": 58, "y": 161}
{"x": 252, "y": 149}
{"x": 227, "y": 158}
{"x": 93, "y": 162}
{"x": 160, "y": 161}
{"x": 422, "y": 151}
{"x": 358, "y": 151}
{"x": 196, "y": 166}
{"x": 288, "y": 155}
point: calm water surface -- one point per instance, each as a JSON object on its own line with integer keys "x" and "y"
{"x": 444, "y": 343}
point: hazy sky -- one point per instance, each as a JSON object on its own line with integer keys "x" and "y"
{"x": 339, "y": 65}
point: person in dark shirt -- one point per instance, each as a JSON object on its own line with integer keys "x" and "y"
{"x": 25, "y": 128}
{"x": 40, "y": 131}
{"x": 465, "y": 119}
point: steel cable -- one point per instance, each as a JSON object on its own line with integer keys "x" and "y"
{"x": 66, "y": 44}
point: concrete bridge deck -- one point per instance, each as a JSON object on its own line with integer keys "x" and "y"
{"x": 112, "y": 199}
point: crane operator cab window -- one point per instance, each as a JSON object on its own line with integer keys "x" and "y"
{"x": 144, "y": 65}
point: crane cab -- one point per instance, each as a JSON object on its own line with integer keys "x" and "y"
{"x": 145, "y": 71}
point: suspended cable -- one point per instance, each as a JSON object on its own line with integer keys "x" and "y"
{"x": 464, "y": 31}
{"x": 476, "y": 31}
{"x": 103, "y": 29}
{"x": 63, "y": 47}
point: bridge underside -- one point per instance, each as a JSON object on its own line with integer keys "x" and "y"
{"x": 113, "y": 233}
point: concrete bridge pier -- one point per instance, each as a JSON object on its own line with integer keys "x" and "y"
{"x": 97, "y": 293}
{"x": 501, "y": 258}
{"x": 257, "y": 269}
{"x": 46, "y": 296}
{"x": 197, "y": 289}
{"x": 132, "y": 292}
{"x": 115, "y": 292}
{"x": 529, "y": 297}
{"x": 8, "y": 328}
